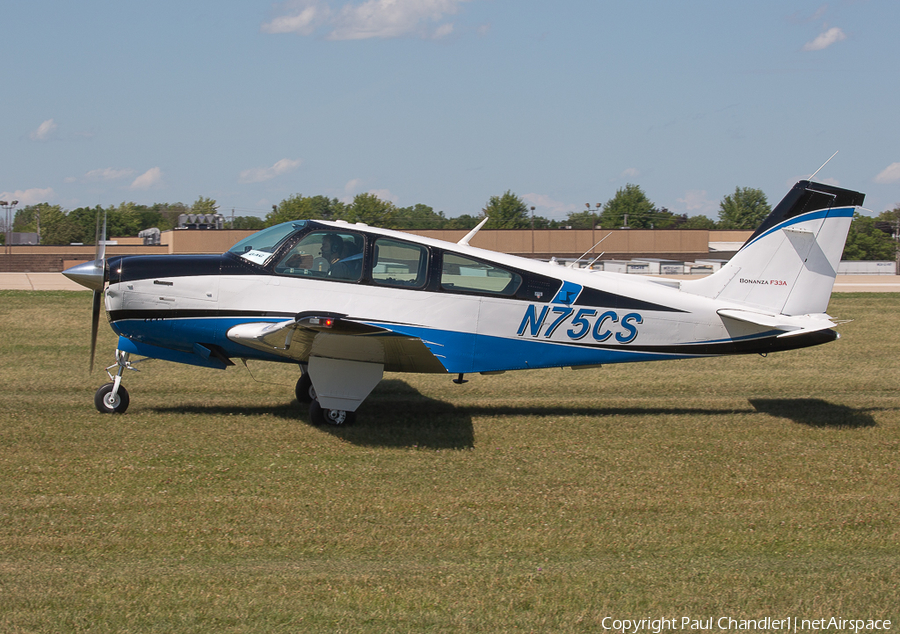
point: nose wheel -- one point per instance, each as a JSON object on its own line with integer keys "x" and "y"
{"x": 108, "y": 401}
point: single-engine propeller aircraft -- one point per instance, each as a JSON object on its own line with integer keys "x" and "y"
{"x": 347, "y": 302}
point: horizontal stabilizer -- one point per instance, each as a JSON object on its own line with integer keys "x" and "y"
{"x": 792, "y": 325}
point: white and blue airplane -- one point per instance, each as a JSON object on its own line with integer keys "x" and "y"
{"x": 348, "y": 302}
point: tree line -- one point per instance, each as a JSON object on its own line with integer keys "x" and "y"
{"x": 869, "y": 238}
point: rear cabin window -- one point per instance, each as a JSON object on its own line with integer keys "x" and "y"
{"x": 326, "y": 254}
{"x": 465, "y": 275}
{"x": 399, "y": 264}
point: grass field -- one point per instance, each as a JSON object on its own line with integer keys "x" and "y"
{"x": 539, "y": 501}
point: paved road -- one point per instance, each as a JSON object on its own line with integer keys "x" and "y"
{"x": 58, "y": 282}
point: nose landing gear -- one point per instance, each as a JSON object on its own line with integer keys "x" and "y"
{"x": 112, "y": 398}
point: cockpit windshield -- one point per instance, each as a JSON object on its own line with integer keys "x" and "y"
{"x": 260, "y": 246}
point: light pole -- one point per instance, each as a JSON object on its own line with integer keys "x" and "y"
{"x": 8, "y": 206}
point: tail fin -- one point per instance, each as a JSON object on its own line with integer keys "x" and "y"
{"x": 789, "y": 264}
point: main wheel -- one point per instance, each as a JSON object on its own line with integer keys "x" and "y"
{"x": 106, "y": 403}
{"x": 323, "y": 416}
{"x": 304, "y": 390}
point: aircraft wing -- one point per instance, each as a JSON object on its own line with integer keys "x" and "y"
{"x": 333, "y": 336}
{"x": 792, "y": 325}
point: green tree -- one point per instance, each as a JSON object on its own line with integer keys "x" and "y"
{"x": 419, "y": 217}
{"x": 25, "y": 220}
{"x": 124, "y": 220}
{"x": 86, "y": 219}
{"x": 507, "y": 212}
{"x": 57, "y": 227}
{"x": 247, "y": 222}
{"x": 698, "y": 222}
{"x": 204, "y": 206}
{"x": 582, "y": 219}
{"x": 464, "y": 221}
{"x": 892, "y": 218}
{"x": 168, "y": 214}
{"x": 371, "y": 210}
{"x": 299, "y": 207}
{"x": 662, "y": 218}
{"x": 49, "y": 217}
{"x": 746, "y": 208}
{"x": 630, "y": 203}
{"x": 867, "y": 242}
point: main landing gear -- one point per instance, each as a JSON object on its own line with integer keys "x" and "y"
{"x": 112, "y": 398}
{"x": 339, "y": 387}
{"x": 318, "y": 415}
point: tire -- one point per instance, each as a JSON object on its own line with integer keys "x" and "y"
{"x": 304, "y": 391}
{"x": 104, "y": 402}
{"x": 319, "y": 415}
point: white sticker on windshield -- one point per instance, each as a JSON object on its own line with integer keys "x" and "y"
{"x": 257, "y": 257}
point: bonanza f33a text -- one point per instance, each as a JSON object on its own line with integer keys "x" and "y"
{"x": 347, "y": 302}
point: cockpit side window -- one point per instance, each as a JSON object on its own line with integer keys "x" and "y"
{"x": 327, "y": 254}
{"x": 464, "y": 275}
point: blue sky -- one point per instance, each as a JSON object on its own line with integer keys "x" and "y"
{"x": 446, "y": 102}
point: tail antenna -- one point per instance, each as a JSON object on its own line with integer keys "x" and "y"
{"x": 823, "y": 165}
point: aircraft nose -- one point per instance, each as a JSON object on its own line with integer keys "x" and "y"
{"x": 91, "y": 275}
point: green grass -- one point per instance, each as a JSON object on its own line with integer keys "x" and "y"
{"x": 532, "y": 501}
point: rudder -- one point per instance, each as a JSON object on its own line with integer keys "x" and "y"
{"x": 789, "y": 264}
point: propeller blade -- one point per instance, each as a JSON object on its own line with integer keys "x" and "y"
{"x": 99, "y": 266}
{"x": 101, "y": 239}
{"x": 95, "y": 323}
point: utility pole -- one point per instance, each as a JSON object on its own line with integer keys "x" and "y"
{"x": 532, "y": 231}
{"x": 896, "y": 224}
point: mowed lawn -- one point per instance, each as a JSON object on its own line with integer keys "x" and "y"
{"x": 544, "y": 501}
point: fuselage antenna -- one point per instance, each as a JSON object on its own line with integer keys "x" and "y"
{"x": 823, "y": 165}
{"x": 465, "y": 241}
{"x": 571, "y": 265}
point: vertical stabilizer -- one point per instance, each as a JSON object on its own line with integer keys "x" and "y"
{"x": 789, "y": 264}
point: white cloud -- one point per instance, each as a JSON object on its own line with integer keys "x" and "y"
{"x": 385, "y": 195}
{"x": 825, "y": 39}
{"x": 108, "y": 174}
{"x": 151, "y": 178}
{"x": 695, "y": 202}
{"x": 32, "y": 196}
{"x": 305, "y": 16}
{"x": 799, "y": 17}
{"x": 547, "y": 207}
{"x": 890, "y": 174}
{"x": 260, "y": 174}
{"x": 631, "y": 172}
{"x": 368, "y": 19}
{"x": 45, "y": 131}
{"x": 443, "y": 31}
